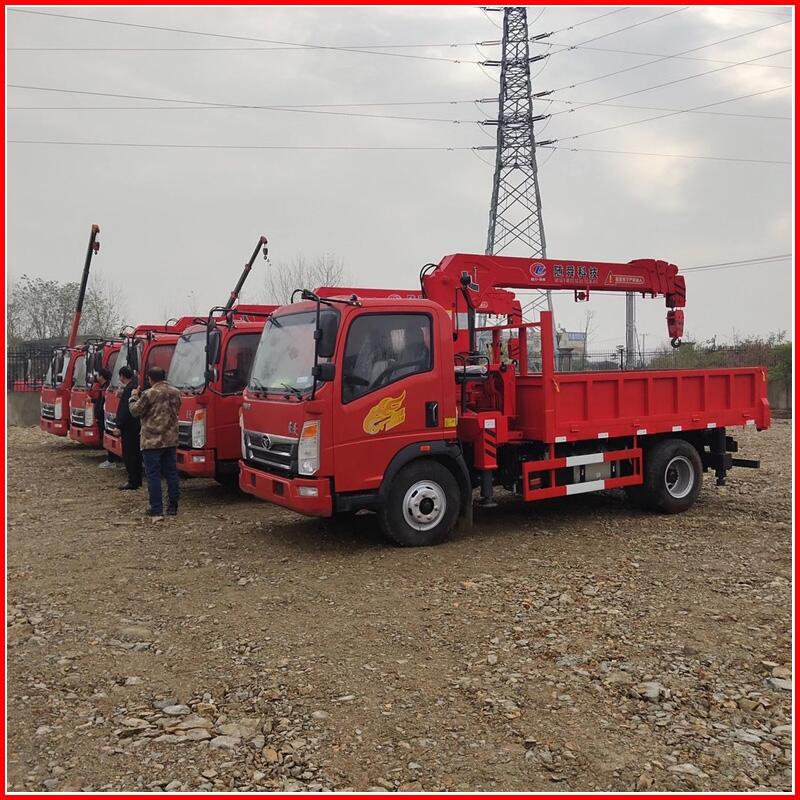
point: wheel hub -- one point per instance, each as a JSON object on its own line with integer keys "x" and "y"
{"x": 424, "y": 505}
{"x": 679, "y": 477}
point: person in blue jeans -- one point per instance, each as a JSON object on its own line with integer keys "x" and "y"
{"x": 157, "y": 409}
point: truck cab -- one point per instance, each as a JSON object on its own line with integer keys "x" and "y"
{"x": 147, "y": 346}
{"x": 84, "y": 428}
{"x": 210, "y": 368}
{"x": 326, "y": 431}
{"x": 54, "y": 415}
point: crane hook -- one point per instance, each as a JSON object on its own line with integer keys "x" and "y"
{"x": 676, "y": 342}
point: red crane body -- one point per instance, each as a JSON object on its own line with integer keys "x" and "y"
{"x": 382, "y": 401}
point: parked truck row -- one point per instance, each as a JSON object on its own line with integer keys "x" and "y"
{"x": 415, "y": 404}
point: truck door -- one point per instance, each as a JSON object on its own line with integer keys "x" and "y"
{"x": 390, "y": 389}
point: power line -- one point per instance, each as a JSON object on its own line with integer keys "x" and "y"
{"x": 746, "y": 262}
{"x": 672, "y": 113}
{"x": 206, "y": 103}
{"x": 670, "y": 83}
{"x": 184, "y": 145}
{"x": 562, "y": 48}
{"x": 684, "y": 110}
{"x": 634, "y": 25}
{"x": 591, "y": 19}
{"x": 421, "y": 148}
{"x": 673, "y": 55}
{"x": 300, "y": 45}
{"x": 571, "y": 149}
{"x": 395, "y": 103}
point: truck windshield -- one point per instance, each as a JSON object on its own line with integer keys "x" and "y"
{"x": 57, "y": 369}
{"x": 79, "y": 373}
{"x": 188, "y": 366}
{"x": 126, "y": 357}
{"x": 285, "y": 355}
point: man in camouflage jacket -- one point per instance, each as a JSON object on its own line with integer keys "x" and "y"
{"x": 157, "y": 410}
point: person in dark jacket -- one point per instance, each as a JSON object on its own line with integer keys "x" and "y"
{"x": 128, "y": 427}
{"x": 98, "y": 395}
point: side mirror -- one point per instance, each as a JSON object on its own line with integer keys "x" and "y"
{"x": 325, "y": 372}
{"x": 328, "y": 326}
{"x": 212, "y": 346}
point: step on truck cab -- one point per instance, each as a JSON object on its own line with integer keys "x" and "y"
{"x": 142, "y": 348}
{"x": 364, "y": 403}
{"x": 55, "y": 394}
{"x": 211, "y": 367}
{"x": 84, "y": 427}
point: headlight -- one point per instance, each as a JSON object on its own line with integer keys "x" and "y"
{"x": 241, "y": 433}
{"x": 199, "y": 428}
{"x": 58, "y": 409}
{"x": 308, "y": 448}
{"x": 88, "y": 417}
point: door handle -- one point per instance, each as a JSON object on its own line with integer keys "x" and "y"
{"x": 432, "y": 414}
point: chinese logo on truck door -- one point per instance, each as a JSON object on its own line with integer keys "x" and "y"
{"x": 385, "y": 415}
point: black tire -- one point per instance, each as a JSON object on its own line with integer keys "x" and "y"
{"x": 230, "y": 480}
{"x": 673, "y": 476}
{"x": 424, "y": 490}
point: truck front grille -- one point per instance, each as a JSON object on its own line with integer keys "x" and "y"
{"x": 111, "y": 421}
{"x": 77, "y": 416}
{"x": 270, "y": 451}
{"x": 185, "y": 435}
{"x": 48, "y": 411}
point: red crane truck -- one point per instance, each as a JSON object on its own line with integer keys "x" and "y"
{"x": 143, "y": 347}
{"x": 385, "y": 413}
{"x": 55, "y": 395}
{"x": 83, "y": 427}
{"x": 210, "y": 367}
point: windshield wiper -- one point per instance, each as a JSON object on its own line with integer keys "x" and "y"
{"x": 258, "y": 386}
{"x": 293, "y": 389}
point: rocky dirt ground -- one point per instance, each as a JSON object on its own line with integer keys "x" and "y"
{"x": 572, "y": 645}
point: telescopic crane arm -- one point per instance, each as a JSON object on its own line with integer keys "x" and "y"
{"x": 476, "y": 277}
{"x": 262, "y": 243}
{"x": 94, "y": 247}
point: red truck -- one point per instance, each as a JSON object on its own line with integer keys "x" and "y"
{"x": 54, "y": 414}
{"x": 367, "y": 403}
{"x": 210, "y": 367}
{"x": 55, "y": 395}
{"x": 143, "y": 347}
{"x": 83, "y": 427}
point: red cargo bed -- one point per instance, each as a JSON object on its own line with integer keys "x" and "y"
{"x": 561, "y": 407}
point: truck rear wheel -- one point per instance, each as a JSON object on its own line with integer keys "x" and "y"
{"x": 421, "y": 506}
{"x": 673, "y": 476}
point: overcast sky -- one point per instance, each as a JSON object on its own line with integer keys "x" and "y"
{"x": 177, "y": 224}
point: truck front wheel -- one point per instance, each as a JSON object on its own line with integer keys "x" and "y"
{"x": 421, "y": 506}
{"x": 673, "y": 476}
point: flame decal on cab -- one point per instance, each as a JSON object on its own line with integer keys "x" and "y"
{"x": 385, "y": 415}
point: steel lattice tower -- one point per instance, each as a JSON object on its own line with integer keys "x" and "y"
{"x": 515, "y": 216}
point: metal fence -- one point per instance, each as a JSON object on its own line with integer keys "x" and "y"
{"x": 26, "y": 368}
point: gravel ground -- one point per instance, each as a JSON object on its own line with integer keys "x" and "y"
{"x": 570, "y": 645}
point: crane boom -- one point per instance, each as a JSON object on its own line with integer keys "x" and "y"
{"x": 475, "y": 277}
{"x": 94, "y": 247}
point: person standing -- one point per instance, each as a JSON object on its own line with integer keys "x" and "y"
{"x": 157, "y": 409}
{"x": 129, "y": 430}
{"x": 98, "y": 396}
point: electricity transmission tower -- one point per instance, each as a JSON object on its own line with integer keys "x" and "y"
{"x": 515, "y": 215}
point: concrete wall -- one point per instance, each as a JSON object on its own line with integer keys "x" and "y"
{"x": 22, "y": 408}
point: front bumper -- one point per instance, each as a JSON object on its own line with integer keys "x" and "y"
{"x": 197, "y": 463}
{"x": 286, "y": 491}
{"x": 58, "y": 427}
{"x": 113, "y": 444}
{"x": 89, "y": 436}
